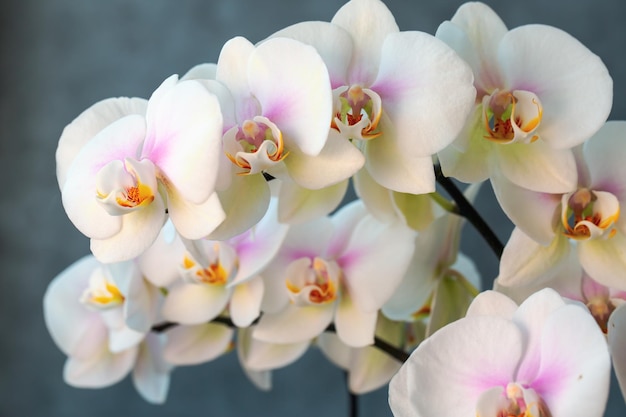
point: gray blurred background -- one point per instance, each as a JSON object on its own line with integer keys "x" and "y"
{"x": 60, "y": 56}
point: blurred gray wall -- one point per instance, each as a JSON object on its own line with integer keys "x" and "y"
{"x": 57, "y": 58}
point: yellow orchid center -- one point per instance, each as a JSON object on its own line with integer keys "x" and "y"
{"x": 512, "y": 116}
{"x": 312, "y": 284}
{"x": 357, "y": 112}
{"x": 126, "y": 186}
{"x": 102, "y": 293}
{"x": 587, "y": 214}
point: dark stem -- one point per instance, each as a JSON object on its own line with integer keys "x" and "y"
{"x": 467, "y": 210}
{"x": 353, "y": 399}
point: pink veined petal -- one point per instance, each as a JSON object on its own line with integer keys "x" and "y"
{"x": 474, "y": 32}
{"x": 151, "y": 374}
{"x": 194, "y": 221}
{"x": 427, "y": 91}
{"x": 183, "y": 138}
{"x": 525, "y": 261}
{"x": 244, "y": 203}
{"x": 617, "y": 344}
{"x": 602, "y": 155}
{"x": 338, "y": 161}
{"x": 573, "y": 84}
{"x": 332, "y": 42}
{"x": 245, "y": 303}
{"x": 355, "y": 327}
{"x": 101, "y": 370}
{"x": 605, "y": 260}
{"x": 375, "y": 261}
{"x": 573, "y": 381}
{"x": 89, "y": 123}
{"x": 294, "y": 324}
{"x": 538, "y": 167}
{"x": 392, "y": 168}
{"x": 477, "y": 353}
{"x": 533, "y": 212}
{"x": 369, "y": 22}
{"x": 492, "y": 303}
{"x": 193, "y": 345}
{"x": 139, "y": 230}
{"x": 188, "y": 303}
{"x": 73, "y": 327}
{"x": 292, "y": 85}
{"x": 264, "y": 356}
{"x": 531, "y": 317}
{"x": 117, "y": 141}
{"x": 298, "y": 205}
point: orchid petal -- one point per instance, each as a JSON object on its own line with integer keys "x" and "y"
{"x": 602, "y": 154}
{"x": 451, "y": 298}
{"x": 574, "y": 86}
{"x": 418, "y": 74}
{"x": 194, "y": 303}
{"x": 206, "y": 71}
{"x": 263, "y": 356}
{"x": 492, "y": 303}
{"x": 183, "y": 138}
{"x": 605, "y": 260}
{"x": 159, "y": 263}
{"x": 291, "y": 83}
{"x": 369, "y": 22}
{"x": 151, "y": 373}
{"x": 261, "y": 379}
{"x": 335, "y": 350}
{"x": 538, "y": 167}
{"x": 345, "y": 221}
{"x": 89, "y": 123}
{"x": 294, "y": 324}
{"x": 355, "y": 327}
{"x": 192, "y": 345}
{"x": 245, "y": 303}
{"x": 232, "y": 70}
{"x": 378, "y": 199}
{"x": 617, "y": 344}
{"x": 195, "y": 221}
{"x": 101, "y": 370}
{"x": 299, "y": 205}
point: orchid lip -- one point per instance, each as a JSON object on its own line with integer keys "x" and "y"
{"x": 123, "y": 187}
{"x": 588, "y": 214}
{"x": 512, "y": 117}
{"x": 312, "y": 284}
{"x": 357, "y": 111}
{"x": 102, "y": 293}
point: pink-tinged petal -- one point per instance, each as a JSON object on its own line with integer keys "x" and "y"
{"x": 617, "y": 344}
{"x": 338, "y": 161}
{"x": 245, "y": 303}
{"x": 308, "y": 239}
{"x": 375, "y": 261}
{"x": 151, "y": 374}
{"x": 378, "y": 199}
{"x": 294, "y": 324}
{"x": 573, "y": 381}
{"x": 477, "y": 353}
{"x": 332, "y": 42}
{"x": 603, "y": 155}
{"x": 101, "y": 370}
{"x": 605, "y": 260}
{"x": 291, "y": 83}
{"x": 194, "y": 303}
{"x": 193, "y": 345}
{"x": 117, "y": 141}
{"x": 533, "y": 212}
{"x": 195, "y": 221}
{"x": 492, "y": 303}
{"x": 573, "y": 84}
{"x": 183, "y": 138}
{"x": 88, "y": 124}
{"x": 427, "y": 91}
{"x": 261, "y": 379}
{"x": 391, "y": 167}
{"x": 160, "y": 263}
{"x": 355, "y": 327}
{"x": 257, "y": 247}
{"x": 244, "y": 202}
{"x": 139, "y": 230}
{"x": 298, "y": 205}
{"x": 345, "y": 220}
{"x": 538, "y": 167}
{"x": 531, "y": 316}
{"x": 232, "y": 70}
{"x": 263, "y": 356}
{"x": 369, "y": 22}
{"x": 525, "y": 261}
{"x": 474, "y": 32}
{"x": 469, "y": 158}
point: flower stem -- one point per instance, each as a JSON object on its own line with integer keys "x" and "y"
{"x": 466, "y": 209}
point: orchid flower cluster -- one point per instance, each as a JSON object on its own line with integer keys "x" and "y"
{"x": 212, "y": 211}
